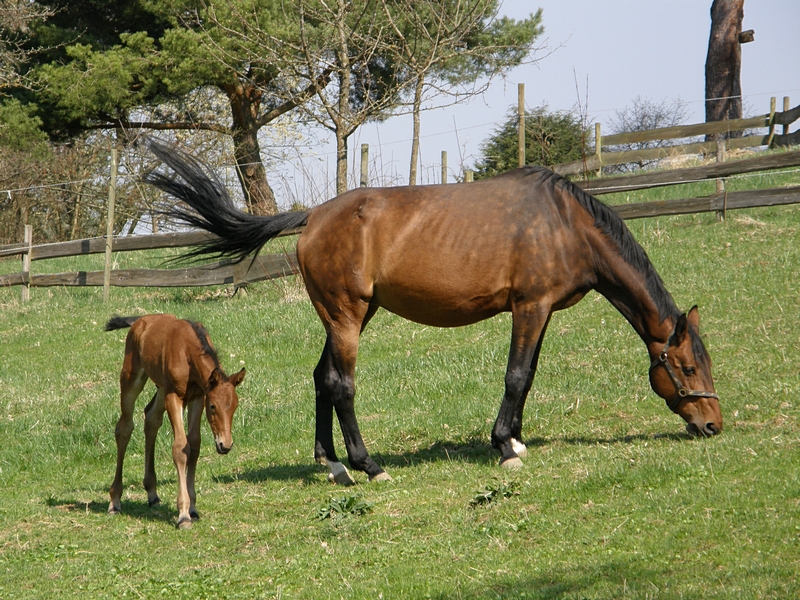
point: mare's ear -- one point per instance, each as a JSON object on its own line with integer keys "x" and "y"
{"x": 215, "y": 379}
{"x": 694, "y": 318}
{"x": 237, "y": 378}
{"x": 681, "y": 330}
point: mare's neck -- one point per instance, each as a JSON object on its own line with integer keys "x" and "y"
{"x": 628, "y": 290}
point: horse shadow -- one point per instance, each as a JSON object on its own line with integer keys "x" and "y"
{"x": 135, "y": 510}
{"x": 473, "y": 450}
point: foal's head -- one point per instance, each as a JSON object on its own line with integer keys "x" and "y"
{"x": 221, "y": 402}
{"x": 681, "y": 375}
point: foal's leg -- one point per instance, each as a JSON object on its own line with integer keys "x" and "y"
{"x": 527, "y": 333}
{"x": 194, "y": 415}
{"x": 131, "y": 381}
{"x": 180, "y": 455}
{"x": 153, "y": 418}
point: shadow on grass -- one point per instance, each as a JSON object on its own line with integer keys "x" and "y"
{"x": 472, "y": 450}
{"x": 139, "y": 511}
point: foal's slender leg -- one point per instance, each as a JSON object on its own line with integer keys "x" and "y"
{"x": 194, "y": 415}
{"x": 153, "y": 418}
{"x": 131, "y": 380}
{"x": 528, "y": 328}
{"x": 180, "y": 455}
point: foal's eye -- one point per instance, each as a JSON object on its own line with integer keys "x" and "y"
{"x": 688, "y": 371}
{"x": 212, "y": 407}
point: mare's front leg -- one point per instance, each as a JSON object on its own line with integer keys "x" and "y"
{"x": 132, "y": 380}
{"x": 526, "y": 342}
{"x": 153, "y": 418}
{"x": 195, "y": 413}
{"x": 180, "y": 456}
{"x": 334, "y": 379}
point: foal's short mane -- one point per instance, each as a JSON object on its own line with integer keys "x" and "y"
{"x": 202, "y": 335}
{"x": 607, "y": 221}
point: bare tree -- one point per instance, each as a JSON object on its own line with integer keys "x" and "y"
{"x": 723, "y": 62}
{"x": 16, "y": 18}
{"x": 447, "y": 46}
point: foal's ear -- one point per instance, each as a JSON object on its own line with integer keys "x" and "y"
{"x": 215, "y": 378}
{"x": 694, "y": 318}
{"x": 237, "y": 378}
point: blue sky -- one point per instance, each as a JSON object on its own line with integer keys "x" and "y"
{"x": 614, "y": 50}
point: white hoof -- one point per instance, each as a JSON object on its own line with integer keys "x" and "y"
{"x": 339, "y": 474}
{"x": 381, "y": 477}
{"x": 520, "y": 448}
{"x": 512, "y": 463}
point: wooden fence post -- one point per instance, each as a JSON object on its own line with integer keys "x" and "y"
{"x": 112, "y": 195}
{"x": 26, "y": 262}
{"x": 786, "y": 107}
{"x": 364, "y": 165}
{"x": 521, "y": 123}
{"x": 772, "y": 103}
{"x": 598, "y": 149}
{"x": 444, "y": 166}
{"x": 468, "y": 175}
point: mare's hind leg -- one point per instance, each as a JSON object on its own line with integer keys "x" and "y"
{"x": 153, "y": 418}
{"x": 335, "y": 389}
{"x": 132, "y": 380}
{"x": 526, "y": 340}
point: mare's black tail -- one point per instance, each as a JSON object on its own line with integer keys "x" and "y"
{"x": 117, "y": 322}
{"x": 239, "y": 234}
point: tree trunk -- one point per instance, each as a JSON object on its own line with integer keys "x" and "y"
{"x": 245, "y": 101}
{"x": 412, "y": 172}
{"x": 724, "y": 61}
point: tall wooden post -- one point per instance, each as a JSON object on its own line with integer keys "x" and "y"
{"x": 468, "y": 176}
{"x": 521, "y": 123}
{"x": 786, "y": 107}
{"x": 598, "y": 148}
{"x": 26, "y": 262}
{"x": 364, "y": 165}
{"x": 444, "y": 166}
{"x": 112, "y": 196}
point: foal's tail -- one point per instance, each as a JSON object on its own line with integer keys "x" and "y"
{"x": 117, "y": 322}
{"x": 239, "y": 234}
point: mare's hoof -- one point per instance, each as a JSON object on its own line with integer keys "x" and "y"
{"x": 154, "y": 502}
{"x": 194, "y": 515}
{"x": 383, "y": 476}
{"x": 512, "y": 463}
{"x": 114, "y": 510}
{"x": 520, "y": 448}
{"x": 185, "y": 523}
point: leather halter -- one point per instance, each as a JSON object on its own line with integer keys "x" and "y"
{"x": 682, "y": 392}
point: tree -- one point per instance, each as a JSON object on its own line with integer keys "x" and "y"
{"x": 642, "y": 115}
{"x": 723, "y": 62}
{"x": 118, "y": 65}
{"x": 450, "y": 44}
{"x": 551, "y": 138}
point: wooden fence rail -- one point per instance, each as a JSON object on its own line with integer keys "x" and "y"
{"x": 279, "y": 265}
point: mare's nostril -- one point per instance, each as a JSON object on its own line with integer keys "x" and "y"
{"x": 712, "y": 429}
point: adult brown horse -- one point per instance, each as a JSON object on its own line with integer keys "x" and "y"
{"x": 180, "y": 359}
{"x": 528, "y": 242}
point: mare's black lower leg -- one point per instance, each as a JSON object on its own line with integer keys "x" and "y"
{"x": 526, "y": 339}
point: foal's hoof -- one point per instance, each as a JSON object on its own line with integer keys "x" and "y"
{"x": 194, "y": 515}
{"x": 382, "y": 476}
{"x": 153, "y": 502}
{"x": 512, "y": 463}
{"x": 185, "y": 523}
{"x": 114, "y": 510}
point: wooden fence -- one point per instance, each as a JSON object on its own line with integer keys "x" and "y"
{"x": 280, "y": 265}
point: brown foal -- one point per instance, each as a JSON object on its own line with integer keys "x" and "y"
{"x": 180, "y": 359}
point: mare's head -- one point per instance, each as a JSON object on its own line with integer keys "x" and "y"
{"x": 221, "y": 402}
{"x": 681, "y": 375}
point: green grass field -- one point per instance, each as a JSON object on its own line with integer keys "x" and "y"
{"x": 614, "y": 501}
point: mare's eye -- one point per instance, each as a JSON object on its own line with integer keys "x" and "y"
{"x": 212, "y": 407}
{"x": 688, "y": 371}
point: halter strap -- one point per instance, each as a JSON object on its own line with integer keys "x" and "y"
{"x": 681, "y": 391}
